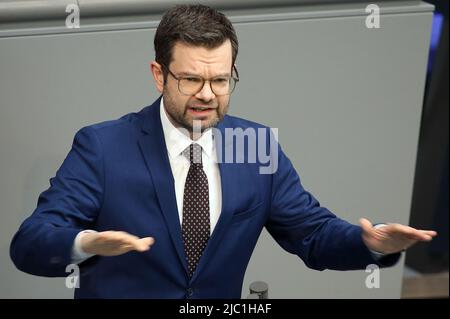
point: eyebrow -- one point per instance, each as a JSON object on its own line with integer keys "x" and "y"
{"x": 196, "y": 75}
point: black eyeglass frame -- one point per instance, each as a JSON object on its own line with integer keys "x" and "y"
{"x": 179, "y": 78}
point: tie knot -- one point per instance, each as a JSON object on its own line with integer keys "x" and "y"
{"x": 193, "y": 153}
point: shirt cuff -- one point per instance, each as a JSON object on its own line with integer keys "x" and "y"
{"x": 78, "y": 255}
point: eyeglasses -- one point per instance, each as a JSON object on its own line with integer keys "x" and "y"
{"x": 191, "y": 84}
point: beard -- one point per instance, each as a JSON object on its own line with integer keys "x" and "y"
{"x": 179, "y": 114}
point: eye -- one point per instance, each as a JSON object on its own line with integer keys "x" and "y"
{"x": 220, "y": 80}
{"x": 193, "y": 79}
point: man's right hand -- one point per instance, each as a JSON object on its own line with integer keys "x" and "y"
{"x": 114, "y": 243}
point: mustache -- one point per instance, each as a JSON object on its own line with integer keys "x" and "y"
{"x": 212, "y": 105}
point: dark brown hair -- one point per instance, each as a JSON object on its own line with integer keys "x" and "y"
{"x": 197, "y": 25}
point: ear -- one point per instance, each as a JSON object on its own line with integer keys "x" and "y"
{"x": 158, "y": 76}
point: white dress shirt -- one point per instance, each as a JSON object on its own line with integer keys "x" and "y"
{"x": 176, "y": 143}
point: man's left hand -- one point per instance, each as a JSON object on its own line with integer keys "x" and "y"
{"x": 392, "y": 238}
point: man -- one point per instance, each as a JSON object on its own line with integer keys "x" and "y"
{"x": 148, "y": 180}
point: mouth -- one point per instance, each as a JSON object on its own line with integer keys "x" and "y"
{"x": 201, "y": 110}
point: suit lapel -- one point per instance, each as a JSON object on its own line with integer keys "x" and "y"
{"x": 154, "y": 150}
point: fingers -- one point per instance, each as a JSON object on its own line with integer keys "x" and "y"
{"x": 407, "y": 231}
{"x": 424, "y": 235}
{"x": 431, "y": 233}
{"x": 129, "y": 240}
{"x": 136, "y": 243}
{"x": 144, "y": 244}
{"x": 125, "y": 242}
{"x": 412, "y": 233}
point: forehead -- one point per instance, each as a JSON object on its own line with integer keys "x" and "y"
{"x": 196, "y": 59}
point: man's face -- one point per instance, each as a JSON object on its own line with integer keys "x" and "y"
{"x": 203, "y": 62}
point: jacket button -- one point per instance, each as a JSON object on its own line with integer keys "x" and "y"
{"x": 189, "y": 292}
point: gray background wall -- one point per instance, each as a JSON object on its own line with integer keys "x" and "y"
{"x": 345, "y": 99}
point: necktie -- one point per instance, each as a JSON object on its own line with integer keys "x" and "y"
{"x": 196, "y": 223}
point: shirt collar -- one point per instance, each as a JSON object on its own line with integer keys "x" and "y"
{"x": 177, "y": 141}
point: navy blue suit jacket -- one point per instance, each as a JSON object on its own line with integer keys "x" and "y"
{"x": 117, "y": 176}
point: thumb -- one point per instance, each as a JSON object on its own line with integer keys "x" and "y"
{"x": 366, "y": 225}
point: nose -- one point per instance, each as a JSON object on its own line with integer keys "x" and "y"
{"x": 206, "y": 94}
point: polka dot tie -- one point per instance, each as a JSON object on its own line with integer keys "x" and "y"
{"x": 196, "y": 224}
